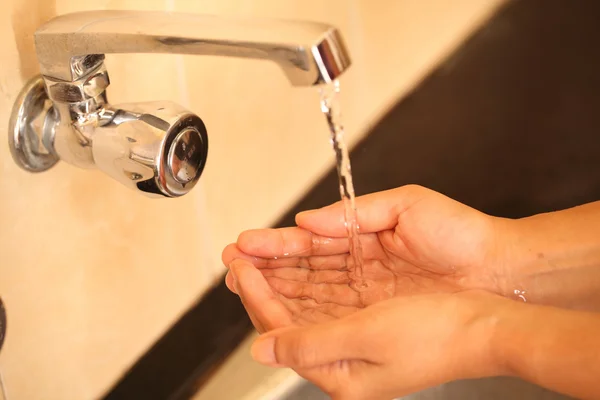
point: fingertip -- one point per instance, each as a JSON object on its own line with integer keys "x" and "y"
{"x": 245, "y": 275}
{"x": 233, "y": 252}
{"x": 229, "y": 282}
{"x": 263, "y": 351}
{"x": 304, "y": 215}
{"x": 237, "y": 264}
{"x": 250, "y": 241}
{"x": 228, "y": 254}
{"x": 308, "y": 215}
{"x": 326, "y": 221}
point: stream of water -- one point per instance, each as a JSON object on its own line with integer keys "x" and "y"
{"x": 330, "y": 106}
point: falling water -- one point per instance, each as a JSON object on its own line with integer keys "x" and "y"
{"x": 331, "y": 108}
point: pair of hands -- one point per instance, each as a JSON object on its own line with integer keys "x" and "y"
{"x": 433, "y": 277}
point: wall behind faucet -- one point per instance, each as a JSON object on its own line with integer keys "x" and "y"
{"x": 91, "y": 273}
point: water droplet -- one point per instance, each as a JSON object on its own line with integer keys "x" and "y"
{"x": 134, "y": 176}
{"x": 521, "y": 295}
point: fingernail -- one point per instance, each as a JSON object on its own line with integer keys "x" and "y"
{"x": 236, "y": 284}
{"x": 263, "y": 351}
{"x": 227, "y": 278}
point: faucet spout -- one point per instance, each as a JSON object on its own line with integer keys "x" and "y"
{"x": 71, "y": 46}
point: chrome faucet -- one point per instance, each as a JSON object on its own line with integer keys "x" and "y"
{"x": 156, "y": 148}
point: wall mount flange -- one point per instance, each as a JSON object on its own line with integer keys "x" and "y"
{"x": 26, "y": 127}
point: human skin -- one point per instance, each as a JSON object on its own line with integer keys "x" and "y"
{"x": 425, "y": 253}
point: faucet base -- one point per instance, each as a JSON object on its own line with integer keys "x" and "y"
{"x": 26, "y": 127}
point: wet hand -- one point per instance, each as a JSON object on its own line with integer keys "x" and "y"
{"x": 414, "y": 241}
{"x": 390, "y": 349}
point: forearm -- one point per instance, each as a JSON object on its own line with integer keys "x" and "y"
{"x": 552, "y": 347}
{"x": 554, "y": 258}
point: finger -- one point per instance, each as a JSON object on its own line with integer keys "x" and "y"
{"x": 337, "y": 261}
{"x": 235, "y": 289}
{"x": 344, "y": 380}
{"x": 229, "y": 282}
{"x": 319, "y": 292}
{"x": 286, "y": 242}
{"x": 312, "y": 346}
{"x": 371, "y": 250}
{"x": 375, "y": 212}
{"x": 255, "y": 322}
{"x": 258, "y": 297}
{"x": 307, "y": 275}
{"x": 232, "y": 252}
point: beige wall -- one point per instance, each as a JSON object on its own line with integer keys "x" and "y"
{"x": 91, "y": 273}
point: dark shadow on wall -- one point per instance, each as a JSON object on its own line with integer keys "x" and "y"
{"x": 509, "y": 125}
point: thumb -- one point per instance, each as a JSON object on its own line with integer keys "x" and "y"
{"x": 306, "y": 347}
{"x": 375, "y": 212}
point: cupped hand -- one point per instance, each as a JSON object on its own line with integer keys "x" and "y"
{"x": 414, "y": 241}
{"x": 390, "y": 349}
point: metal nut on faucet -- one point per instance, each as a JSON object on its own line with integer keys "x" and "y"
{"x": 85, "y": 88}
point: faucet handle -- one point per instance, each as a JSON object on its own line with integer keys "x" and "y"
{"x": 157, "y": 148}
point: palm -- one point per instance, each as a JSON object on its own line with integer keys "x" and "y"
{"x": 414, "y": 241}
{"x": 433, "y": 246}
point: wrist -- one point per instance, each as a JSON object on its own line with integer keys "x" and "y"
{"x": 551, "y": 259}
{"x": 477, "y": 345}
{"x": 504, "y": 255}
{"x": 509, "y": 254}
